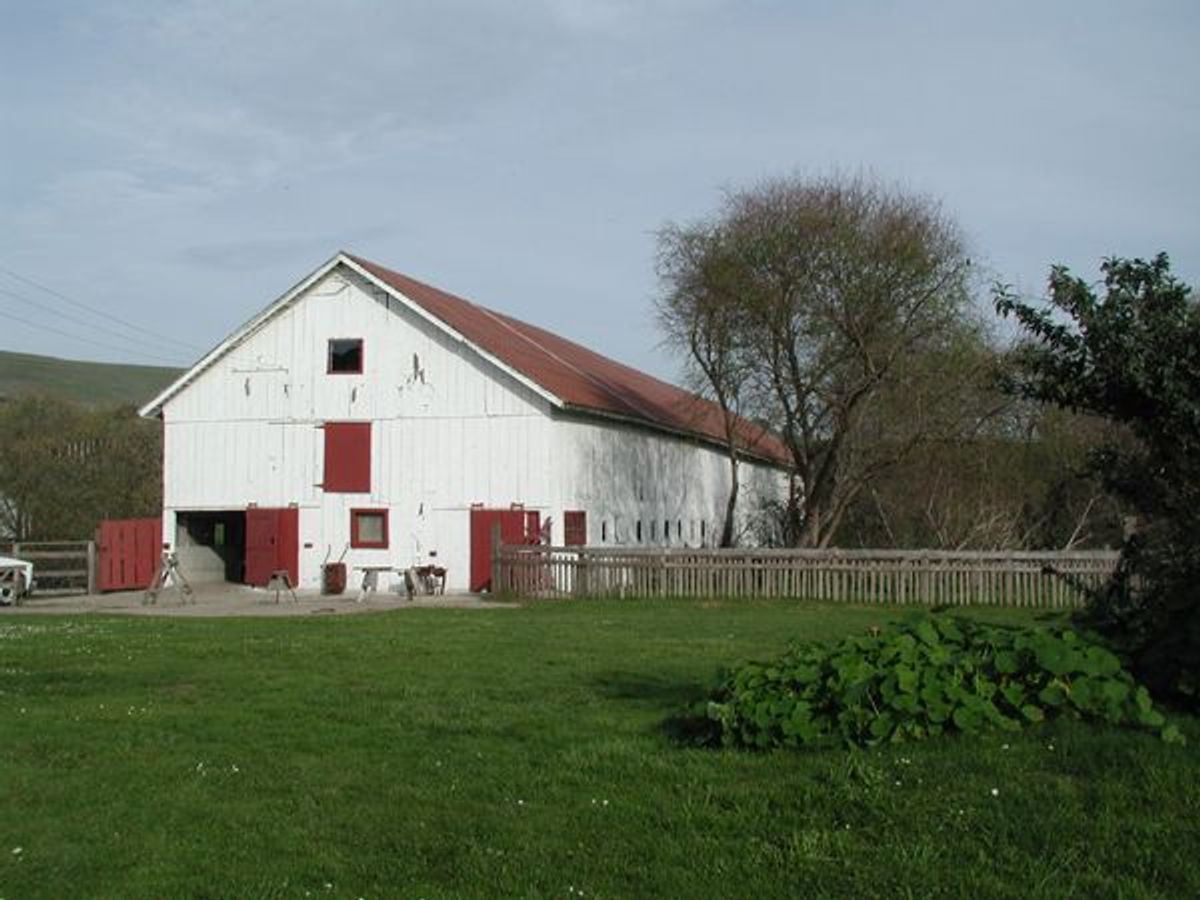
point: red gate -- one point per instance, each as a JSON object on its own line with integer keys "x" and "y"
{"x": 517, "y": 526}
{"x": 272, "y": 543}
{"x": 128, "y": 551}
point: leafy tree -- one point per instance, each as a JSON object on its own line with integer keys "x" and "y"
{"x": 63, "y": 468}
{"x": 1132, "y": 356}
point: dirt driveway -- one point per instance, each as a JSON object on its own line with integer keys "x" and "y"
{"x": 239, "y": 600}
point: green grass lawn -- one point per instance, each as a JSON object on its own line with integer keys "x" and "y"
{"x": 527, "y": 752}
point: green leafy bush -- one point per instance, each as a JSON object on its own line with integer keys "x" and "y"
{"x": 928, "y": 676}
{"x": 1132, "y": 356}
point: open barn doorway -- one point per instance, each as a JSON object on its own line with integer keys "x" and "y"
{"x": 211, "y": 545}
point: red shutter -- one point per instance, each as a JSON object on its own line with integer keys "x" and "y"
{"x": 574, "y": 528}
{"x": 348, "y": 457}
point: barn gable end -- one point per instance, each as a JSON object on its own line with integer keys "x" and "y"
{"x": 433, "y": 425}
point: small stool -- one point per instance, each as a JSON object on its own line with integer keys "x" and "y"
{"x": 281, "y": 581}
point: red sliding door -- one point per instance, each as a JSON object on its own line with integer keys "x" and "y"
{"x": 272, "y": 543}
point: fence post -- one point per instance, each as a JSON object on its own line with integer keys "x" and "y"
{"x": 91, "y": 567}
{"x": 495, "y": 541}
{"x": 582, "y": 587}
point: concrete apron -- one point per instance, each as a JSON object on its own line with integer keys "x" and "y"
{"x": 216, "y": 600}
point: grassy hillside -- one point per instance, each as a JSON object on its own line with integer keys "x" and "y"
{"x": 95, "y": 384}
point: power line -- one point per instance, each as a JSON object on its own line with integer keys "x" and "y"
{"x": 84, "y": 340}
{"x": 139, "y": 342}
{"x": 61, "y": 296}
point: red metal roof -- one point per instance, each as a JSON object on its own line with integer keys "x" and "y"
{"x": 579, "y": 377}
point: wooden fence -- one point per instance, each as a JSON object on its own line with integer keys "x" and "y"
{"x": 927, "y": 577}
{"x": 58, "y": 566}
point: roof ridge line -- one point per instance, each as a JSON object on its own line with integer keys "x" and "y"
{"x": 500, "y": 318}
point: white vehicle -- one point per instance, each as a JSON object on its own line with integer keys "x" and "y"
{"x": 16, "y": 580}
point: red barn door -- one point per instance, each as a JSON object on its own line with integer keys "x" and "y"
{"x": 517, "y": 526}
{"x": 272, "y": 542}
{"x": 129, "y": 551}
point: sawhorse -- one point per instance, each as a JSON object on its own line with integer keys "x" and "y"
{"x": 281, "y": 581}
{"x": 168, "y": 575}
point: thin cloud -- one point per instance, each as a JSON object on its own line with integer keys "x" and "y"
{"x": 198, "y": 156}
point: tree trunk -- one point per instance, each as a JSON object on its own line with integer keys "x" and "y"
{"x": 731, "y": 503}
{"x": 809, "y": 533}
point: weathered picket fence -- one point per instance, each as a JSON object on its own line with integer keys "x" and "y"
{"x": 1049, "y": 579}
{"x": 58, "y": 566}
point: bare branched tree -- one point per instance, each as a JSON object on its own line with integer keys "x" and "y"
{"x": 1019, "y": 483}
{"x": 700, "y": 314}
{"x": 844, "y": 310}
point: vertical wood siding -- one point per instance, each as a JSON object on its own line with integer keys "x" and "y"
{"x": 449, "y": 430}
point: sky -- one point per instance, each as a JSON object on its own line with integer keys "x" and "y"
{"x": 167, "y": 169}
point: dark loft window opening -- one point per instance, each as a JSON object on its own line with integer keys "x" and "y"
{"x": 345, "y": 355}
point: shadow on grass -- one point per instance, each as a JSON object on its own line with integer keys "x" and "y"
{"x": 692, "y": 731}
{"x": 647, "y": 688}
{"x": 682, "y": 725}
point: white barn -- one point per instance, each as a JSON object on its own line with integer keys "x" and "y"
{"x": 370, "y": 418}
